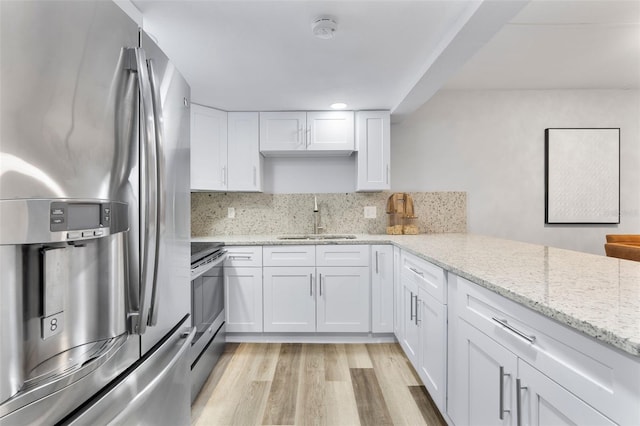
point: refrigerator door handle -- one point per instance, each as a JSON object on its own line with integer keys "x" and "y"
{"x": 160, "y": 188}
{"x": 148, "y": 191}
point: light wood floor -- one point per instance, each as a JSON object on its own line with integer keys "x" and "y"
{"x": 314, "y": 384}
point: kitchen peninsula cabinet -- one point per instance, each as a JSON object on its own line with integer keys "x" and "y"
{"x": 373, "y": 146}
{"x": 299, "y": 132}
{"x": 512, "y": 366}
{"x": 225, "y": 154}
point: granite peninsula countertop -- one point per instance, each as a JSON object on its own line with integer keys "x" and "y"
{"x": 597, "y": 295}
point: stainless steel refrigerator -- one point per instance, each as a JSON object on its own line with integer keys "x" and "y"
{"x": 94, "y": 220}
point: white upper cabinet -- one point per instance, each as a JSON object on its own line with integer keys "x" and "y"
{"x": 208, "y": 149}
{"x": 373, "y": 137}
{"x": 243, "y": 152}
{"x": 225, "y": 153}
{"x": 302, "y": 133}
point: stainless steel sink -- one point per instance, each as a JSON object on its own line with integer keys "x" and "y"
{"x": 317, "y": 237}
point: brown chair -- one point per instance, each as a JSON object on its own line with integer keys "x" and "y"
{"x": 623, "y": 246}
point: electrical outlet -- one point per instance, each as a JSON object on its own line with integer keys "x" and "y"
{"x": 370, "y": 212}
{"x": 231, "y": 212}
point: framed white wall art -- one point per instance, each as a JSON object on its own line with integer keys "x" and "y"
{"x": 582, "y": 176}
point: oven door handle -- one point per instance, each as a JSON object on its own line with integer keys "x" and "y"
{"x": 206, "y": 267}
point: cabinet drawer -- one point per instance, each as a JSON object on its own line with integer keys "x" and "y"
{"x": 289, "y": 255}
{"x": 342, "y": 255}
{"x": 429, "y": 277}
{"x": 595, "y": 373}
{"x": 244, "y": 256}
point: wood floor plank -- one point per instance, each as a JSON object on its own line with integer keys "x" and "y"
{"x": 281, "y": 405}
{"x": 336, "y": 364}
{"x": 389, "y": 357}
{"x": 340, "y": 404}
{"x": 310, "y": 403}
{"x": 250, "y": 408}
{"x": 358, "y": 355}
{"x": 370, "y": 402}
{"x": 429, "y": 410}
{"x": 392, "y": 379}
{"x": 268, "y": 360}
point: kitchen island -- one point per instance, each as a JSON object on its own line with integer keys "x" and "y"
{"x": 596, "y": 295}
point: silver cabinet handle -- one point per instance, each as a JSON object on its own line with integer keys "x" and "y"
{"x": 387, "y": 174}
{"x": 519, "y": 389}
{"x": 224, "y": 175}
{"x": 310, "y": 284}
{"x": 411, "y": 304}
{"x": 255, "y": 176}
{"x": 239, "y": 256}
{"x": 502, "y": 376}
{"x": 376, "y": 261}
{"x": 415, "y": 271}
{"x": 505, "y": 324}
{"x": 417, "y": 310}
{"x": 320, "y": 284}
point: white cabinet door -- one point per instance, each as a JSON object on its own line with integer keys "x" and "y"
{"x": 410, "y": 341}
{"x": 373, "y": 137}
{"x": 397, "y": 294}
{"x": 243, "y": 152}
{"x": 243, "y": 299}
{"x": 289, "y": 299}
{"x": 481, "y": 379}
{"x": 330, "y": 131}
{"x": 283, "y": 131}
{"x": 544, "y": 402}
{"x": 432, "y": 320}
{"x": 382, "y": 290}
{"x": 208, "y": 148}
{"x": 343, "y": 299}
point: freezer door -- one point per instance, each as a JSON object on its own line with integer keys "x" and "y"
{"x": 170, "y": 299}
{"x": 156, "y": 393}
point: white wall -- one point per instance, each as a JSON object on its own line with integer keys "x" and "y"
{"x": 491, "y": 144}
{"x": 309, "y": 175}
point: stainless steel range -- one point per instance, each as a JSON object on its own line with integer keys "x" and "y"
{"x": 207, "y": 308}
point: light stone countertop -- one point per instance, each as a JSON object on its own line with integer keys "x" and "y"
{"x": 597, "y": 295}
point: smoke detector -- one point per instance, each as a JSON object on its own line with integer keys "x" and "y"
{"x": 324, "y": 27}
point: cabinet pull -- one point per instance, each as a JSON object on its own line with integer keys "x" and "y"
{"x": 417, "y": 310}
{"x": 411, "y": 317}
{"x": 255, "y": 176}
{"x": 415, "y": 271}
{"x": 502, "y": 410}
{"x": 320, "y": 284}
{"x": 376, "y": 262}
{"x": 310, "y": 284}
{"x": 505, "y": 324}
{"x": 239, "y": 256}
{"x": 387, "y": 174}
{"x": 224, "y": 175}
{"x": 519, "y": 389}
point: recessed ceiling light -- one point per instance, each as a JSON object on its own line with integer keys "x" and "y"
{"x": 339, "y": 105}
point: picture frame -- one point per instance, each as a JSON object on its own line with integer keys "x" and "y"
{"x": 582, "y": 176}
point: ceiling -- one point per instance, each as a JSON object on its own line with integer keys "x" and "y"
{"x": 261, "y": 55}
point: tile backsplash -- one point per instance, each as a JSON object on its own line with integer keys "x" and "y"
{"x": 263, "y": 214}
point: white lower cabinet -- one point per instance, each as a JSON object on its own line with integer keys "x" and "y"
{"x": 301, "y": 296}
{"x": 243, "y": 289}
{"x": 382, "y": 289}
{"x": 289, "y": 299}
{"x": 511, "y": 366}
{"x": 423, "y": 323}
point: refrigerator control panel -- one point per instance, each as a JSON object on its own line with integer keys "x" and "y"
{"x": 81, "y": 220}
